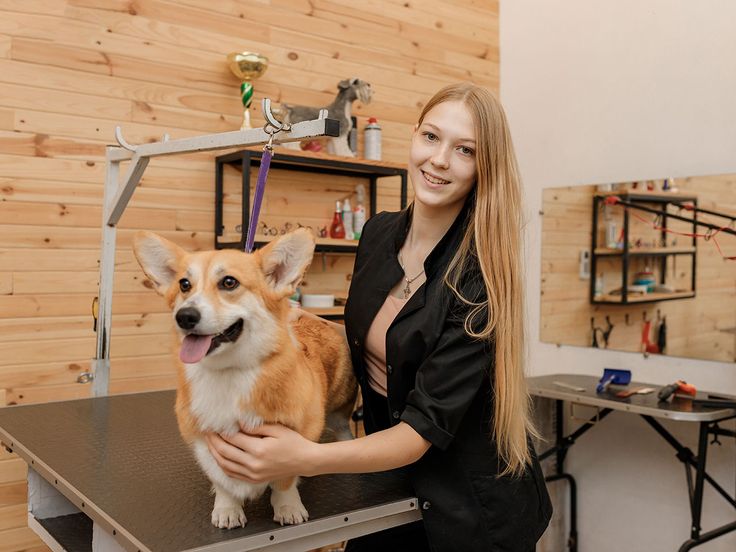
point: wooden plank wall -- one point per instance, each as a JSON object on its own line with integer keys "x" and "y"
{"x": 694, "y": 326}
{"x": 71, "y": 70}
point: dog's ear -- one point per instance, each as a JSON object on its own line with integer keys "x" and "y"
{"x": 158, "y": 257}
{"x": 347, "y": 83}
{"x": 285, "y": 260}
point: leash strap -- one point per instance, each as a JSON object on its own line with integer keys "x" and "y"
{"x": 258, "y": 197}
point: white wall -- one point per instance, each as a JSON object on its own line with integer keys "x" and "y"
{"x": 607, "y": 91}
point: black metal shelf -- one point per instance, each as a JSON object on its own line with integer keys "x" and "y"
{"x": 643, "y": 253}
{"x": 303, "y": 163}
{"x": 319, "y": 248}
{"x": 662, "y": 201}
{"x": 655, "y": 298}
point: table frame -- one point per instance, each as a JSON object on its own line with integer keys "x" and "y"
{"x": 707, "y": 419}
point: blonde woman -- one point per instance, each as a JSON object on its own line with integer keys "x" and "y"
{"x": 434, "y": 324}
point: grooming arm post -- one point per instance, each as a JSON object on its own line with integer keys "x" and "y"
{"x": 101, "y": 363}
{"x": 117, "y": 194}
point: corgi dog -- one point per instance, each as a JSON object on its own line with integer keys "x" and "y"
{"x": 243, "y": 361}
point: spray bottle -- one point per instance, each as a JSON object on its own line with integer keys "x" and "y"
{"x": 347, "y": 219}
{"x": 359, "y": 212}
{"x": 372, "y": 140}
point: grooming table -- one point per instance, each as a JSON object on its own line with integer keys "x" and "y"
{"x": 649, "y": 408}
{"x": 112, "y": 473}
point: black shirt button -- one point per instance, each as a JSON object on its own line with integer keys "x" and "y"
{"x": 396, "y": 414}
{"x": 389, "y": 369}
{"x": 426, "y": 505}
{"x": 356, "y": 342}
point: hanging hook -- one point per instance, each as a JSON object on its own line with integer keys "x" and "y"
{"x": 123, "y": 143}
{"x": 607, "y": 332}
{"x": 271, "y": 121}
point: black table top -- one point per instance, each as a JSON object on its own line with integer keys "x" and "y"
{"x": 122, "y": 457}
{"x": 677, "y": 408}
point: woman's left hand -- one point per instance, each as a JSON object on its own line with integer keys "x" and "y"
{"x": 267, "y": 453}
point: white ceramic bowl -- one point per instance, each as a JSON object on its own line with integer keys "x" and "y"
{"x": 312, "y": 300}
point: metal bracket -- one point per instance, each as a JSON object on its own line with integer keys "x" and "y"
{"x": 118, "y": 194}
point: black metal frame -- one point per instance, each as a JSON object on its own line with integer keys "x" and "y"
{"x": 626, "y": 254}
{"x": 684, "y": 455}
{"x": 281, "y": 160}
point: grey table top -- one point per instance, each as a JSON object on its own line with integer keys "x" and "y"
{"x": 677, "y": 408}
{"x": 122, "y": 457}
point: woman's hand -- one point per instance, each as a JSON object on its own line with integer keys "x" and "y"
{"x": 267, "y": 453}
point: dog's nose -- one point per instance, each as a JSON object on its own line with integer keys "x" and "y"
{"x": 187, "y": 318}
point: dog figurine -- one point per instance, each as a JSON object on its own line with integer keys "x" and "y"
{"x": 349, "y": 90}
{"x": 243, "y": 360}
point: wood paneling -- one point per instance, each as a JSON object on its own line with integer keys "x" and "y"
{"x": 694, "y": 326}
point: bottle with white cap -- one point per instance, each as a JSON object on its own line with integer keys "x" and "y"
{"x": 359, "y": 212}
{"x": 372, "y": 140}
{"x": 347, "y": 219}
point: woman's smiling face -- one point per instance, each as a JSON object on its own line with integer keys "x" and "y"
{"x": 442, "y": 164}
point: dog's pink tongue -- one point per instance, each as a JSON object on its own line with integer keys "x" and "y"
{"x": 194, "y": 347}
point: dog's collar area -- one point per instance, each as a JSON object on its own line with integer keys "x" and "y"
{"x": 230, "y": 335}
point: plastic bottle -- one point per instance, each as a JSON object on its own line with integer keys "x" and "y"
{"x": 347, "y": 219}
{"x": 611, "y": 234}
{"x": 359, "y": 212}
{"x": 599, "y": 285}
{"x": 372, "y": 140}
{"x": 337, "y": 230}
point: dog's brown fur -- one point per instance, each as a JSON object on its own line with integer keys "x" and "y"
{"x": 306, "y": 373}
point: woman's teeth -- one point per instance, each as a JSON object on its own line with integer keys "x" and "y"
{"x": 435, "y": 180}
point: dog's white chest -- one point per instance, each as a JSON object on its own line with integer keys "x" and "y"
{"x": 217, "y": 399}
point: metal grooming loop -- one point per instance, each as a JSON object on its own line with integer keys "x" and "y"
{"x": 118, "y": 192}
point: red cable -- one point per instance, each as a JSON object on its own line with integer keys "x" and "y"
{"x": 613, "y": 200}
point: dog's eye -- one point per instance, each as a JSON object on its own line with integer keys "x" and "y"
{"x": 228, "y": 282}
{"x": 185, "y": 285}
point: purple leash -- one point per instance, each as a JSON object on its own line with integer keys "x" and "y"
{"x": 258, "y": 196}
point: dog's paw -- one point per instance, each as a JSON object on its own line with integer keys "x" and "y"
{"x": 290, "y": 514}
{"x": 228, "y": 518}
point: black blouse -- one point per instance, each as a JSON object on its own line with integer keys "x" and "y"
{"x": 439, "y": 381}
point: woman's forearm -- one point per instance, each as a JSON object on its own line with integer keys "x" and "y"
{"x": 391, "y": 448}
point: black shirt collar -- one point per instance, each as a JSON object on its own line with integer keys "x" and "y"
{"x": 445, "y": 249}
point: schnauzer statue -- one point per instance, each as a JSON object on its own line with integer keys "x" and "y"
{"x": 340, "y": 109}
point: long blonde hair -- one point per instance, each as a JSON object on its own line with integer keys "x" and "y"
{"x": 493, "y": 240}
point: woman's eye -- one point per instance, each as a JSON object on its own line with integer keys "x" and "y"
{"x": 431, "y": 136}
{"x": 466, "y": 150}
{"x": 228, "y": 282}
{"x": 185, "y": 285}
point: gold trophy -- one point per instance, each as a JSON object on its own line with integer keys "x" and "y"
{"x": 247, "y": 66}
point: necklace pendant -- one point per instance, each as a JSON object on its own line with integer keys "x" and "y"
{"x": 407, "y": 290}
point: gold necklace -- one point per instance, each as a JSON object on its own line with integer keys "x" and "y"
{"x": 407, "y": 289}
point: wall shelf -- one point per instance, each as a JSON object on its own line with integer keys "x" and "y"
{"x": 297, "y": 160}
{"x": 645, "y": 251}
{"x": 310, "y": 162}
{"x": 336, "y": 313}
{"x": 651, "y": 297}
{"x": 323, "y": 245}
{"x": 658, "y": 202}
